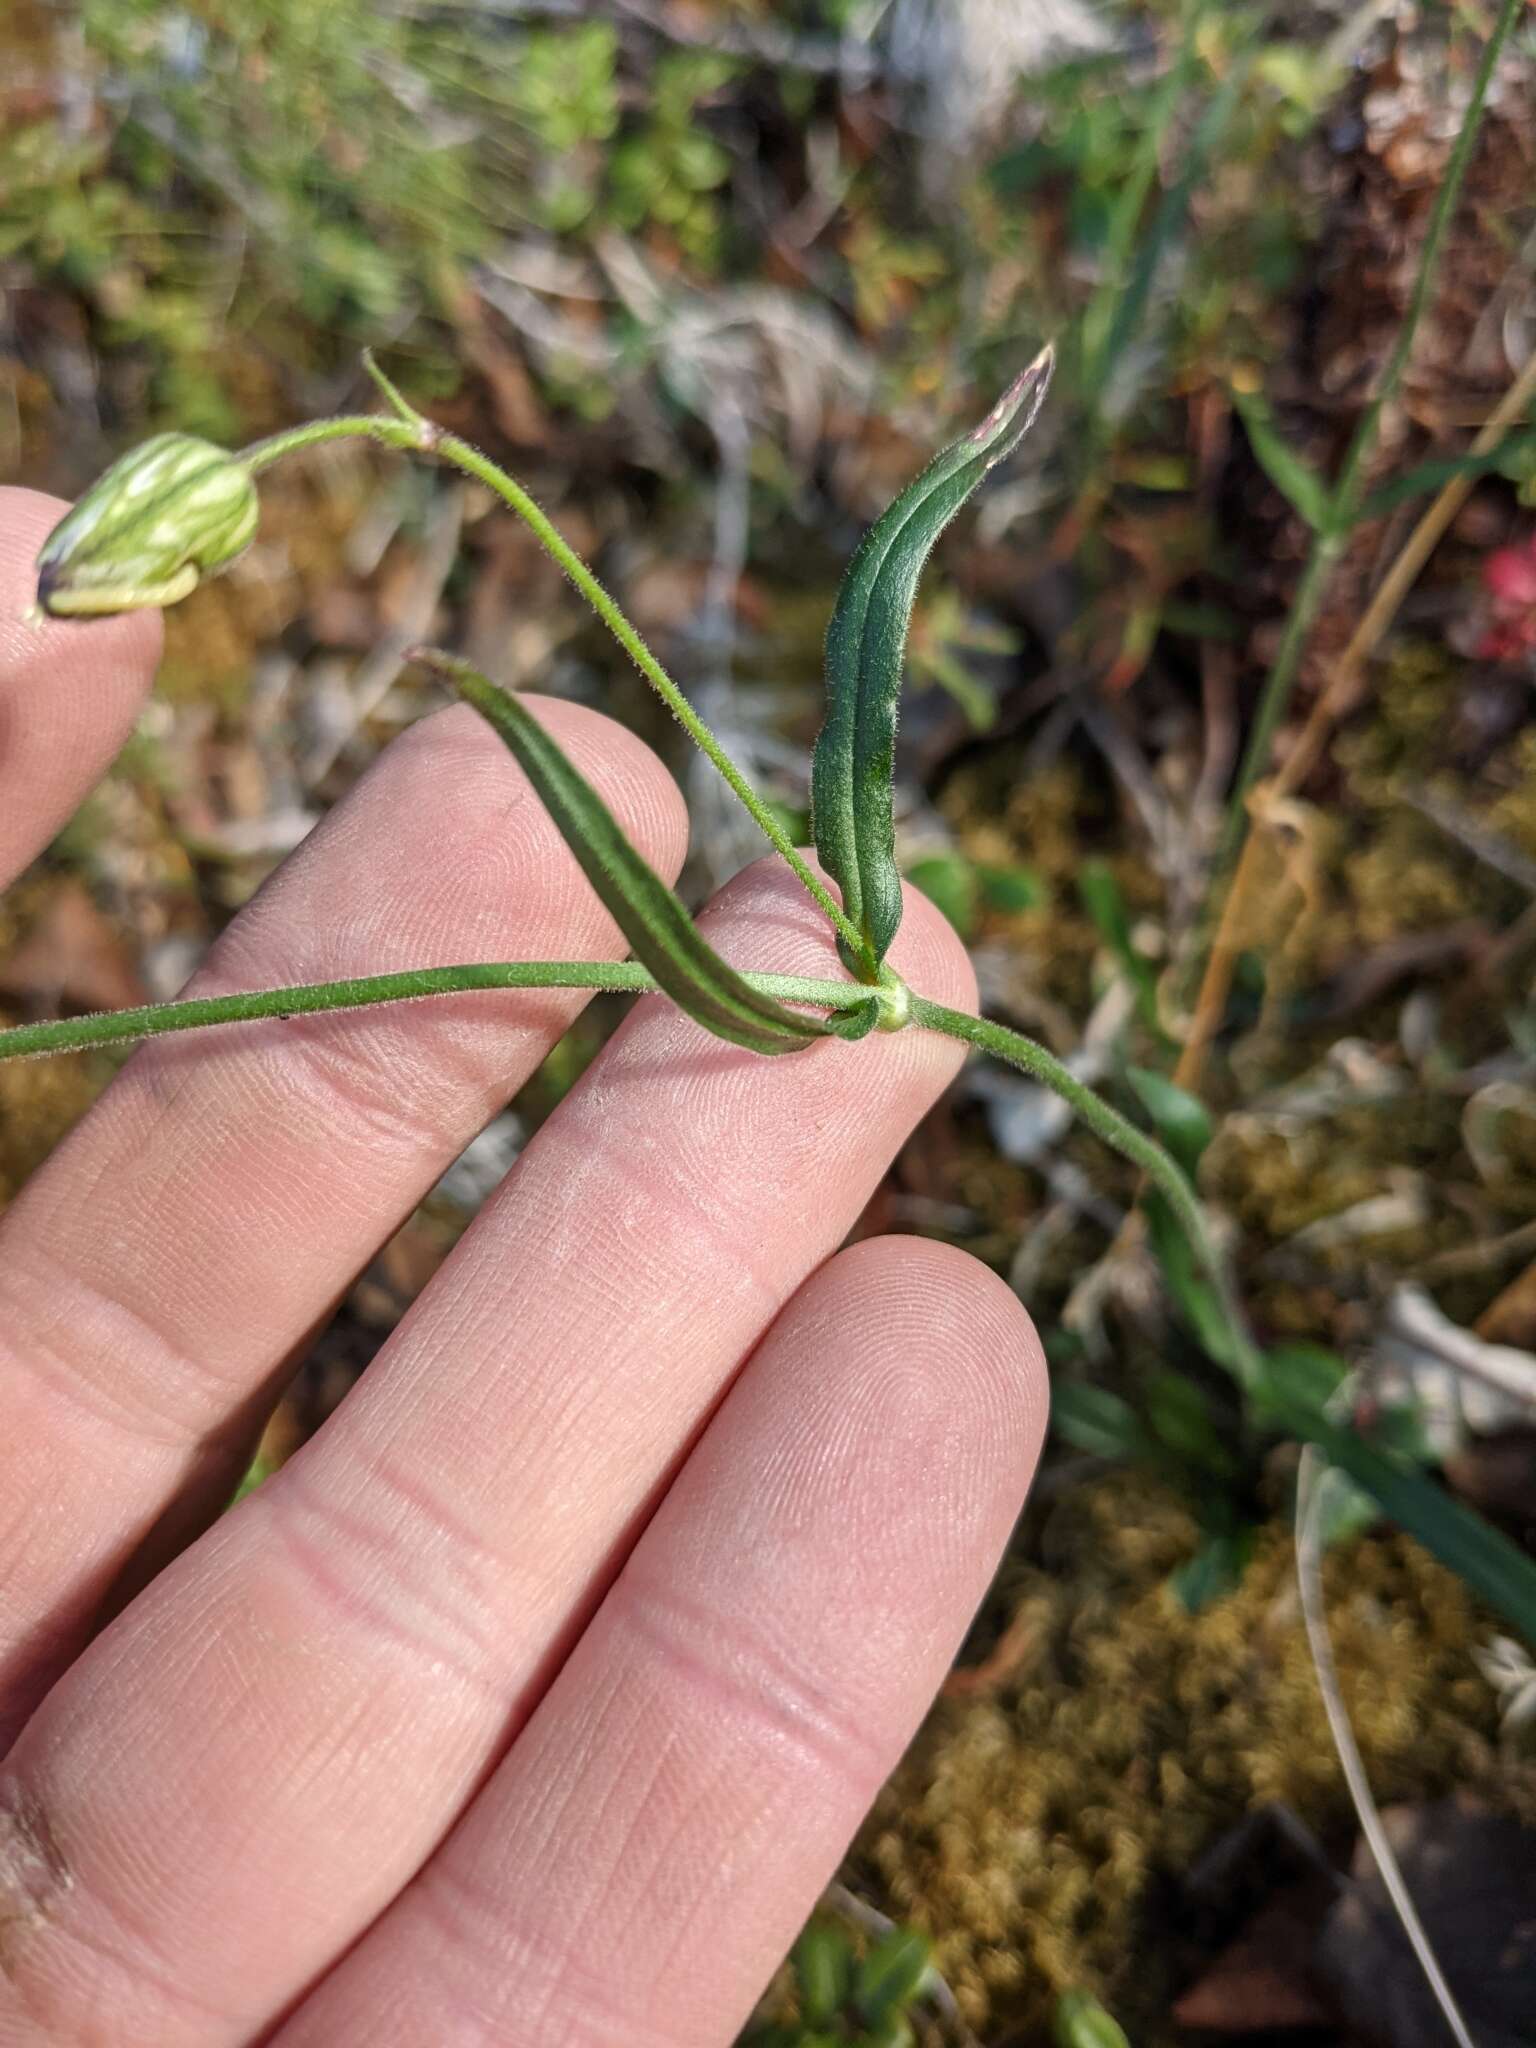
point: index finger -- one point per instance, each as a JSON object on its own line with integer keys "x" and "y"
{"x": 69, "y": 692}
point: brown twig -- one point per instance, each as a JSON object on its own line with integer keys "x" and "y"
{"x": 1339, "y": 696}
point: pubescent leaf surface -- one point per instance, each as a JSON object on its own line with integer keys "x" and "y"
{"x": 854, "y": 763}
{"x": 651, "y": 916}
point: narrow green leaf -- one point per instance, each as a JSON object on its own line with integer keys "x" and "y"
{"x": 1079, "y": 2021}
{"x": 949, "y": 880}
{"x": 649, "y": 914}
{"x": 1513, "y": 450}
{"x": 890, "y": 1975}
{"x": 1188, "y": 1284}
{"x": 866, "y": 642}
{"x": 823, "y": 1965}
{"x": 1496, "y": 1569}
{"x": 1181, "y": 1418}
{"x": 1215, "y": 1570}
{"x": 854, "y": 1023}
{"x": 1094, "y": 1420}
{"x": 1286, "y": 470}
{"x": 1304, "y": 1376}
{"x": 1180, "y": 1119}
{"x": 1102, "y": 900}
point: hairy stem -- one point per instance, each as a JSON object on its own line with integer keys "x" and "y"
{"x": 422, "y": 437}
{"x": 153, "y": 1020}
{"x": 1119, "y": 1132}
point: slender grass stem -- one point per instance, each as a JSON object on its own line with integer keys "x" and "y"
{"x": 199, "y": 1013}
{"x": 1348, "y": 488}
{"x": 1311, "y": 1490}
{"x": 1211, "y": 1003}
{"x": 1102, "y": 313}
{"x": 1351, "y": 480}
{"x": 1119, "y": 1132}
{"x": 1276, "y": 695}
{"x": 421, "y": 436}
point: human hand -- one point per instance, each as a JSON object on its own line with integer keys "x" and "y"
{"x": 535, "y": 1698}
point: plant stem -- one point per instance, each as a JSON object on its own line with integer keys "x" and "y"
{"x": 1276, "y": 695}
{"x": 1311, "y": 1490}
{"x": 1351, "y": 480}
{"x": 1117, "y": 1131}
{"x": 1100, "y": 317}
{"x": 1332, "y": 702}
{"x": 1344, "y": 499}
{"x": 153, "y": 1020}
{"x": 423, "y": 437}
{"x": 1494, "y": 1566}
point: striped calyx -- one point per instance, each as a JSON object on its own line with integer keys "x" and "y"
{"x": 149, "y": 529}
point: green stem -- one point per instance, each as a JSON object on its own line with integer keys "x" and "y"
{"x": 153, "y": 1020}
{"x": 1347, "y": 490}
{"x": 422, "y": 437}
{"x": 1126, "y": 219}
{"x": 1119, "y": 1132}
{"x": 1344, "y": 498}
{"x": 1491, "y": 1564}
{"x": 1276, "y": 694}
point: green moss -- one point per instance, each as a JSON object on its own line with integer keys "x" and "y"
{"x": 1033, "y": 1833}
{"x": 1514, "y": 813}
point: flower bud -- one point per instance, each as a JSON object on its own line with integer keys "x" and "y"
{"x": 148, "y": 529}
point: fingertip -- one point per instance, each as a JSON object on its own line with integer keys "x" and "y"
{"x": 122, "y": 650}
{"x": 929, "y": 1277}
{"x": 944, "y": 1362}
{"x": 70, "y": 690}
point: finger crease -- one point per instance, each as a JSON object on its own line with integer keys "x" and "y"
{"x": 748, "y": 1674}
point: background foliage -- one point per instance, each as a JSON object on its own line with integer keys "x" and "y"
{"x": 717, "y": 279}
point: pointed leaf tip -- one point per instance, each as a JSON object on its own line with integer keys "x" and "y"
{"x": 854, "y": 763}
{"x": 1027, "y": 391}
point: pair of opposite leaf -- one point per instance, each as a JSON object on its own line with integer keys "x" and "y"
{"x": 177, "y": 509}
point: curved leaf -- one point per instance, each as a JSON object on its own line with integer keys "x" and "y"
{"x": 891, "y": 1975}
{"x": 1290, "y": 473}
{"x": 650, "y": 915}
{"x": 1515, "y": 449}
{"x": 823, "y": 1964}
{"x": 1094, "y": 1420}
{"x": 1180, "y": 1119}
{"x": 1079, "y": 2021}
{"x": 866, "y": 642}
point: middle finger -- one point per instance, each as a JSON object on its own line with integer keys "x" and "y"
{"x": 165, "y": 1261}
{"x": 256, "y": 1758}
